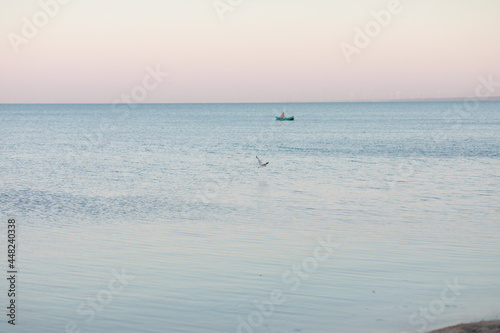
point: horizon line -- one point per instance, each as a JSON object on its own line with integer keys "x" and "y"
{"x": 420, "y": 100}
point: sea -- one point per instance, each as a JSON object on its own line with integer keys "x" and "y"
{"x": 369, "y": 217}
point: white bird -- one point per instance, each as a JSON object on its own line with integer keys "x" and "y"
{"x": 261, "y": 165}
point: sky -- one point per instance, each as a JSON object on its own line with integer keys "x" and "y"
{"x": 238, "y": 51}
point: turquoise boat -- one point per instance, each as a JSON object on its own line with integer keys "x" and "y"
{"x": 289, "y": 118}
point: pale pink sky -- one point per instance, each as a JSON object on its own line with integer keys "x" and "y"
{"x": 263, "y": 51}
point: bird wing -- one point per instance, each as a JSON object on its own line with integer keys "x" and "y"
{"x": 258, "y": 159}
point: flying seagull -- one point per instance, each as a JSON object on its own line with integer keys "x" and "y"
{"x": 261, "y": 165}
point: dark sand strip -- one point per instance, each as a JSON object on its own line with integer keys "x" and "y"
{"x": 479, "y": 327}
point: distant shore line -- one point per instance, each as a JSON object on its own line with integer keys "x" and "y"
{"x": 492, "y": 326}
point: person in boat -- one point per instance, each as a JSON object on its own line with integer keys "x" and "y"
{"x": 282, "y": 115}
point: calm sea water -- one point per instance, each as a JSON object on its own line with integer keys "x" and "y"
{"x": 156, "y": 218}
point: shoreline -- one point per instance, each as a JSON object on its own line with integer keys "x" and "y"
{"x": 490, "y": 326}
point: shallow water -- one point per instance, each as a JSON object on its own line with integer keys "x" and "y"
{"x": 171, "y": 194}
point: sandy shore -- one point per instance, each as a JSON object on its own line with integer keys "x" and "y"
{"x": 479, "y": 327}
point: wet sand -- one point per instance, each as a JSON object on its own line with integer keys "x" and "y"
{"x": 479, "y": 327}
